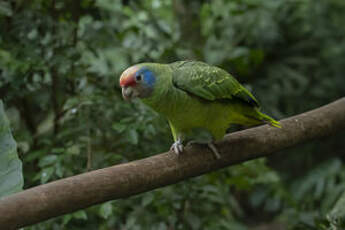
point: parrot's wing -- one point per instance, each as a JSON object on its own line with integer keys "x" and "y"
{"x": 209, "y": 82}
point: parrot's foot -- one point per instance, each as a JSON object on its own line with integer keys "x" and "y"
{"x": 177, "y": 147}
{"x": 214, "y": 149}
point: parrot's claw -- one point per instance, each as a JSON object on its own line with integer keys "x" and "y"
{"x": 214, "y": 150}
{"x": 177, "y": 147}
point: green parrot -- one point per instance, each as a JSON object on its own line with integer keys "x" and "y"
{"x": 200, "y": 101}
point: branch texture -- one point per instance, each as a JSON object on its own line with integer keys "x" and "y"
{"x": 67, "y": 195}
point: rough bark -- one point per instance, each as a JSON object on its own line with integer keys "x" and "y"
{"x": 67, "y": 195}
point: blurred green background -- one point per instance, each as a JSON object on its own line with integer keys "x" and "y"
{"x": 60, "y": 61}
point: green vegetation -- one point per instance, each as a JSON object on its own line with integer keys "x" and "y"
{"x": 11, "y": 178}
{"x": 60, "y": 61}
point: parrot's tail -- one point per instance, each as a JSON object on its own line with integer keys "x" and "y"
{"x": 269, "y": 120}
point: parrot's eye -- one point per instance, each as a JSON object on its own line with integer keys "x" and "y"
{"x": 139, "y": 77}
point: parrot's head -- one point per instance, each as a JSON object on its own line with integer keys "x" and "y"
{"x": 137, "y": 81}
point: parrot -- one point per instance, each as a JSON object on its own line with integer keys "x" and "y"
{"x": 200, "y": 101}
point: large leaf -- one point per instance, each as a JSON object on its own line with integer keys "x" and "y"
{"x": 336, "y": 216}
{"x": 11, "y": 177}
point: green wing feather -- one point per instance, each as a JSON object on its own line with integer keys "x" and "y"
{"x": 209, "y": 82}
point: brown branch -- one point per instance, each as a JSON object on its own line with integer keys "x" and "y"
{"x": 67, "y": 195}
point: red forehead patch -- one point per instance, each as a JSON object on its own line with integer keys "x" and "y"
{"x": 127, "y": 77}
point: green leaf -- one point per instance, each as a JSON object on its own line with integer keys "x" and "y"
{"x": 32, "y": 34}
{"x": 133, "y": 136}
{"x": 147, "y": 199}
{"x": 193, "y": 220}
{"x": 106, "y": 210}
{"x": 48, "y": 160}
{"x": 5, "y": 9}
{"x": 119, "y": 127}
{"x": 337, "y": 215}
{"x": 66, "y": 219}
{"x": 46, "y": 174}
{"x": 11, "y": 177}
{"x": 74, "y": 150}
{"x": 81, "y": 215}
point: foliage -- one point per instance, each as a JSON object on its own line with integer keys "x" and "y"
{"x": 336, "y": 216}
{"x": 10, "y": 166}
{"x": 59, "y": 66}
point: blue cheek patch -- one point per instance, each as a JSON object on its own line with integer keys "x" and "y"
{"x": 149, "y": 77}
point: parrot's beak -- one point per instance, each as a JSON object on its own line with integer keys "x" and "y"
{"x": 127, "y": 82}
{"x": 127, "y": 93}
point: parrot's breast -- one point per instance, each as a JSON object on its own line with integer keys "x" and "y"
{"x": 192, "y": 116}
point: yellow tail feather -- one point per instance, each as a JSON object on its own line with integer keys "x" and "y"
{"x": 269, "y": 120}
{"x": 275, "y": 123}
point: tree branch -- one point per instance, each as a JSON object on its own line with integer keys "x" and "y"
{"x": 67, "y": 195}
